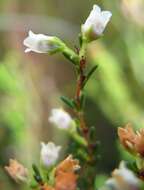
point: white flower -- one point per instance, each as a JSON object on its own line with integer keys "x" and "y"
{"x": 49, "y": 154}
{"x": 122, "y": 179}
{"x": 96, "y": 22}
{"x": 127, "y": 175}
{"x": 60, "y": 118}
{"x": 41, "y": 43}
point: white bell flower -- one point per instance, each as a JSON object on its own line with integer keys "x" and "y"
{"x": 41, "y": 43}
{"x": 61, "y": 118}
{"x": 49, "y": 154}
{"x": 122, "y": 179}
{"x": 96, "y": 22}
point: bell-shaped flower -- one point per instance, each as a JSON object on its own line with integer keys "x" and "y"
{"x": 122, "y": 179}
{"x": 61, "y": 118}
{"x": 95, "y": 23}
{"x": 49, "y": 154}
{"x": 41, "y": 43}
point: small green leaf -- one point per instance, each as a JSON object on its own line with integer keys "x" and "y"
{"x": 132, "y": 166}
{"x": 68, "y": 102}
{"x": 93, "y": 69}
{"x": 37, "y": 175}
{"x": 69, "y": 57}
{"x": 82, "y": 100}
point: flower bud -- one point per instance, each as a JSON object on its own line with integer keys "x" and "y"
{"x": 17, "y": 171}
{"x": 95, "y": 23}
{"x": 49, "y": 154}
{"x": 61, "y": 118}
{"x": 41, "y": 43}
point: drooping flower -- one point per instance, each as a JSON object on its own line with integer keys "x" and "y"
{"x": 41, "y": 43}
{"x": 133, "y": 142}
{"x": 96, "y": 23}
{"x": 49, "y": 154}
{"x": 122, "y": 179}
{"x": 17, "y": 171}
{"x": 60, "y": 118}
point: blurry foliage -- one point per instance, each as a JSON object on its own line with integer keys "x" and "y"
{"x": 13, "y": 99}
{"x": 113, "y": 93}
{"x": 100, "y": 180}
{"x": 13, "y": 109}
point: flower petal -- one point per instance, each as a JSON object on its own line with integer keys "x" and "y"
{"x": 27, "y": 50}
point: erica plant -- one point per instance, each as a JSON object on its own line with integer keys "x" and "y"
{"x": 78, "y": 169}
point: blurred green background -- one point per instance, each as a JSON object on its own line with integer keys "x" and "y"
{"x": 30, "y": 84}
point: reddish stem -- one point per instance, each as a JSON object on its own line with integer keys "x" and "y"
{"x": 79, "y": 86}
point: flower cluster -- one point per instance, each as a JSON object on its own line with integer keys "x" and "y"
{"x": 93, "y": 27}
{"x": 51, "y": 175}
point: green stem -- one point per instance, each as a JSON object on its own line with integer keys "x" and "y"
{"x": 82, "y": 52}
{"x": 71, "y": 55}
